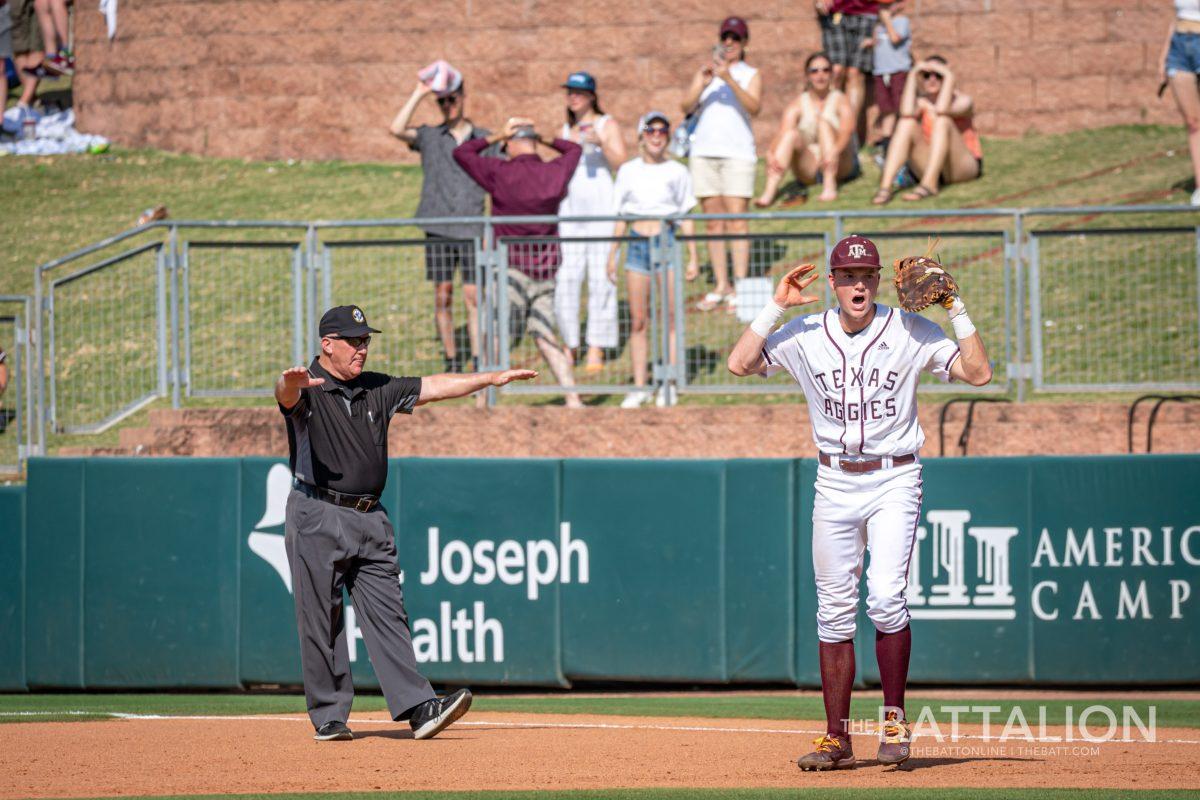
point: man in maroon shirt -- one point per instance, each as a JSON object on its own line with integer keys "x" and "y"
{"x": 525, "y": 185}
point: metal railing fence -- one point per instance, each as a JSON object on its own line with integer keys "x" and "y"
{"x": 1067, "y": 299}
{"x": 16, "y": 434}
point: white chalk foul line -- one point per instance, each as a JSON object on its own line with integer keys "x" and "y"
{"x": 627, "y": 726}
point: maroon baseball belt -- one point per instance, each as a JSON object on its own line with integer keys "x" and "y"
{"x": 868, "y": 465}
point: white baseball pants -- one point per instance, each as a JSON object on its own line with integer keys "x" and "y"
{"x": 876, "y": 510}
{"x": 588, "y": 260}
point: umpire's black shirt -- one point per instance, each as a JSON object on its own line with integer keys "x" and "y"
{"x": 337, "y": 432}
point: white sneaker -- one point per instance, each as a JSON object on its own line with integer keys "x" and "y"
{"x": 666, "y": 396}
{"x": 635, "y": 399}
{"x": 1196, "y": 198}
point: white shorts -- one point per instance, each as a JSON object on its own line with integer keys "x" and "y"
{"x": 724, "y": 177}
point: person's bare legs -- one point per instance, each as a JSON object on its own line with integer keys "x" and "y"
{"x": 559, "y": 361}
{"x": 906, "y": 134}
{"x": 856, "y": 91}
{"x": 52, "y": 19}
{"x": 639, "y": 323}
{"x": 827, "y": 141}
{"x": 716, "y": 247}
{"x": 784, "y": 152}
{"x": 443, "y": 316}
{"x": 1187, "y": 98}
{"x": 947, "y": 158}
{"x": 29, "y": 83}
{"x": 740, "y": 247}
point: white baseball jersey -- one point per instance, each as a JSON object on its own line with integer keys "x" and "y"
{"x": 862, "y": 389}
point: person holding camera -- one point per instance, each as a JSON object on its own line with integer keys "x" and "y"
{"x": 724, "y": 94}
{"x": 525, "y": 185}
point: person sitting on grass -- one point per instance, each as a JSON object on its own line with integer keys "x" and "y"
{"x": 935, "y": 135}
{"x": 814, "y": 136}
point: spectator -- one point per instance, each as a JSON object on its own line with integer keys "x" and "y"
{"x": 52, "y": 20}
{"x": 527, "y": 185}
{"x": 1180, "y": 68}
{"x": 935, "y": 135}
{"x": 26, "y": 42}
{"x": 447, "y": 191}
{"x": 589, "y": 194}
{"x": 3, "y": 371}
{"x": 814, "y": 136}
{"x": 725, "y": 93}
{"x": 845, "y": 25}
{"x": 651, "y": 185}
{"x": 892, "y": 61}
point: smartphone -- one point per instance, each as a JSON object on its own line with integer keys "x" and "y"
{"x": 718, "y": 53}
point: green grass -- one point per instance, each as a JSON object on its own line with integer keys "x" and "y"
{"x": 241, "y": 317}
{"x": 724, "y": 794}
{"x": 1170, "y": 713}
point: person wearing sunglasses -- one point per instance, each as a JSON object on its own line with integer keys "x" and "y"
{"x": 337, "y": 534}
{"x": 935, "y": 135}
{"x": 651, "y": 185}
{"x": 589, "y": 194}
{"x": 814, "y": 136}
{"x": 446, "y": 191}
{"x": 724, "y": 95}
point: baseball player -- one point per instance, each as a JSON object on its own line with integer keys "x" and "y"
{"x": 859, "y": 364}
{"x": 337, "y": 534}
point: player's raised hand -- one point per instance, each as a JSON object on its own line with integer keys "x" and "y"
{"x": 510, "y": 375}
{"x": 790, "y": 291}
{"x": 300, "y": 378}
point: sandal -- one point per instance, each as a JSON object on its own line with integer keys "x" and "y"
{"x": 711, "y": 301}
{"x": 919, "y": 193}
{"x": 883, "y": 196}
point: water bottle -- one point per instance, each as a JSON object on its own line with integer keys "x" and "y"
{"x": 29, "y": 126}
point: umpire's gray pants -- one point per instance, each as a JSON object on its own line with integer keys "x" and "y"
{"x": 330, "y": 547}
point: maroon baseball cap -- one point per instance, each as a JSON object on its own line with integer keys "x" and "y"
{"x": 854, "y": 251}
{"x": 736, "y": 25}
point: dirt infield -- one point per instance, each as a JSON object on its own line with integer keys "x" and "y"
{"x": 227, "y": 755}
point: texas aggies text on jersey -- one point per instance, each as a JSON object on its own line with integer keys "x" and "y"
{"x": 862, "y": 388}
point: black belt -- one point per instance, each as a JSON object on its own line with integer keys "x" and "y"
{"x": 869, "y": 465}
{"x": 359, "y": 502}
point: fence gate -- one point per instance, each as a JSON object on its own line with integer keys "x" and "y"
{"x": 1115, "y": 309}
{"x": 16, "y": 434}
{"x": 243, "y": 315}
{"x": 107, "y": 345}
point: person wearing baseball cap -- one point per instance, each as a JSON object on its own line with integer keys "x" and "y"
{"x": 446, "y": 191}
{"x": 651, "y": 185}
{"x": 724, "y": 95}
{"x": 589, "y": 194}
{"x": 337, "y": 533}
{"x": 858, "y": 364}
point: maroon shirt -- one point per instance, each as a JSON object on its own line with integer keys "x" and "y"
{"x": 854, "y": 7}
{"x": 520, "y": 186}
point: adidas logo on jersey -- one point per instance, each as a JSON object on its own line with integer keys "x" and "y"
{"x": 883, "y": 346}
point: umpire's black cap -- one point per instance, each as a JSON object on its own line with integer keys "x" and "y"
{"x": 345, "y": 321}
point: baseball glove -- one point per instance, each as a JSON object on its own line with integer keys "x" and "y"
{"x": 921, "y": 281}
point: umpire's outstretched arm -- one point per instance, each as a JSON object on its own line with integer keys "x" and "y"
{"x": 450, "y": 385}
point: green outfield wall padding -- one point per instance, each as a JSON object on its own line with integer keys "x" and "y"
{"x": 12, "y": 588}
{"x": 54, "y": 538}
{"x": 161, "y": 573}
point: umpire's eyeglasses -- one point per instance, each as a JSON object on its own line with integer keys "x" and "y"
{"x": 357, "y": 342}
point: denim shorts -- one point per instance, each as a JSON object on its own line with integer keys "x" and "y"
{"x": 1184, "y": 54}
{"x": 637, "y": 253}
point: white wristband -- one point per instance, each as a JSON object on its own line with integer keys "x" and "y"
{"x": 963, "y": 327}
{"x": 767, "y": 319}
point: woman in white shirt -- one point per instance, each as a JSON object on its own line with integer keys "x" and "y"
{"x": 725, "y": 94}
{"x": 588, "y": 195}
{"x": 1180, "y": 67}
{"x": 651, "y": 185}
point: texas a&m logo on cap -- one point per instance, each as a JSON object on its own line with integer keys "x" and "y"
{"x": 358, "y": 315}
{"x": 854, "y": 251}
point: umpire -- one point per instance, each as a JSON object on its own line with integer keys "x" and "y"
{"x": 337, "y": 533}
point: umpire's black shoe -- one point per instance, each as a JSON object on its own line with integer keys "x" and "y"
{"x": 434, "y": 716}
{"x": 333, "y": 732}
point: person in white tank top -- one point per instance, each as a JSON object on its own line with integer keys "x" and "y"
{"x": 590, "y": 193}
{"x": 1179, "y": 68}
{"x": 814, "y": 138}
{"x": 726, "y": 93}
{"x": 859, "y": 364}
